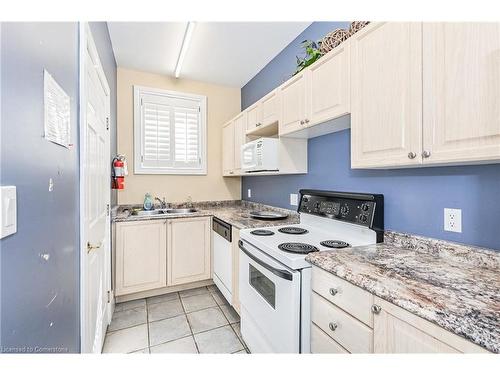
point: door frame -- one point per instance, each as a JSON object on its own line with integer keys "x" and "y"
{"x": 86, "y": 40}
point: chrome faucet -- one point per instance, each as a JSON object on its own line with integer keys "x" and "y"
{"x": 163, "y": 203}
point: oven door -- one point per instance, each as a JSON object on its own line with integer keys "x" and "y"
{"x": 270, "y": 303}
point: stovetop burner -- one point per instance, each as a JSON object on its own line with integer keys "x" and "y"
{"x": 293, "y": 230}
{"x": 334, "y": 244}
{"x": 297, "y": 248}
{"x": 262, "y": 232}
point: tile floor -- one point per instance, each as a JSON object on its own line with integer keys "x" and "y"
{"x": 193, "y": 321}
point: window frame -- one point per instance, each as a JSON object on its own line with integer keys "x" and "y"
{"x": 138, "y": 126}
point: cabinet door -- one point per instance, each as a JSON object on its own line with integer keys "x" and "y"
{"x": 228, "y": 149}
{"x": 188, "y": 250}
{"x": 253, "y": 116}
{"x": 386, "y": 95}
{"x": 328, "y": 86}
{"x": 398, "y": 331}
{"x": 269, "y": 108}
{"x": 239, "y": 139}
{"x": 292, "y": 104}
{"x": 141, "y": 256}
{"x": 461, "y": 92}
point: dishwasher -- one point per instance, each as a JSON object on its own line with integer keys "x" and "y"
{"x": 223, "y": 257}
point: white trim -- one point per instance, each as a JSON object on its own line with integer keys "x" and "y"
{"x": 86, "y": 40}
{"x": 138, "y": 169}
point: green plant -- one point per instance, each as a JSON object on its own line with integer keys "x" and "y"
{"x": 312, "y": 54}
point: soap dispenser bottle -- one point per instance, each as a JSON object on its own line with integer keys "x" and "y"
{"x": 148, "y": 202}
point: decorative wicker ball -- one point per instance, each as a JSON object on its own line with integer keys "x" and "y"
{"x": 356, "y": 26}
{"x": 333, "y": 39}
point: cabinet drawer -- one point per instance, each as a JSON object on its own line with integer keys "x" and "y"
{"x": 343, "y": 328}
{"x": 348, "y": 297}
{"x": 322, "y": 343}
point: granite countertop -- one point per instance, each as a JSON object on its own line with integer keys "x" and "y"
{"x": 454, "y": 286}
{"x": 236, "y": 213}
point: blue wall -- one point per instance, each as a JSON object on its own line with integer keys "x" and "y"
{"x": 47, "y": 222}
{"x": 414, "y": 198}
{"x": 40, "y": 298}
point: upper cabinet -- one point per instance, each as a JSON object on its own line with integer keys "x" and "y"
{"x": 386, "y": 95}
{"x": 228, "y": 150}
{"x": 328, "y": 84}
{"x": 425, "y": 94}
{"x": 292, "y": 104}
{"x": 461, "y": 77}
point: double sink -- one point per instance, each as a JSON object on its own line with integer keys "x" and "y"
{"x": 164, "y": 211}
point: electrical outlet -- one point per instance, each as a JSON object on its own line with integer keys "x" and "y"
{"x": 249, "y": 193}
{"x": 294, "y": 200}
{"x": 453, "y": 220}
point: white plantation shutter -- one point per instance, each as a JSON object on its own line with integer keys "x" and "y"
{"x": 170, "y": 132}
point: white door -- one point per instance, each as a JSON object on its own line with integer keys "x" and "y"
{"x": 95, "y": 199}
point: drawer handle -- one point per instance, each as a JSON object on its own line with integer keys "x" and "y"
{"x": 376, "y": 309}
{"x": 333, "y": 291}
{"x": 333, "y": 326}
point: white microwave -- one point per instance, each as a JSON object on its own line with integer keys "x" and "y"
{"x": 260, "y": 155}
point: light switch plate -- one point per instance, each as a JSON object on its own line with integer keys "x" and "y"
{"x": 294, "y": 200}
{"x": 249, "y": 193}
{"x": 453, "y": 220}
{"x": 8, "y": 209}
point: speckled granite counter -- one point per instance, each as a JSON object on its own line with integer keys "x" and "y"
{"x": 236, "y": 213}
{"x": 454, "y": 286}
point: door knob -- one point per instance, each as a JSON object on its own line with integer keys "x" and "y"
{"x": 376, "y": 309}
{"x": 91, "y": 247}
{"x": 412, "y": 155}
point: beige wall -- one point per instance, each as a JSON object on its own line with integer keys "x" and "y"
{"x": 223, "y": 103}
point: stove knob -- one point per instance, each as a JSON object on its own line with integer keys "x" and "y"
{"x": 344, "y": 210}
{"x": 365, "y": 206}
{"x": 363, "y": 218}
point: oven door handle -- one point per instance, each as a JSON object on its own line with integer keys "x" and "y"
{"x": 280, "y": 273}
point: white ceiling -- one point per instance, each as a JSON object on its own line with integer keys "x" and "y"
{"x": 227, "y": 53}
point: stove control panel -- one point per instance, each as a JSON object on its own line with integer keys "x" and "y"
{"x": 354, "y": 208}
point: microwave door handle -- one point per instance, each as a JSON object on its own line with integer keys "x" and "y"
{"x": 280, "y": 273}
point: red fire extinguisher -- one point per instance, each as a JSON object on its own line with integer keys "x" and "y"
{"x": 119, "y": 171}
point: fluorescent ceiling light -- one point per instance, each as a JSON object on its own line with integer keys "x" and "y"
{"x": 185, "y": 45}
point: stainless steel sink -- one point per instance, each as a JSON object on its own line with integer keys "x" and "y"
{"x": 148, "y": 213}
{"x": 170, "y": 211}
{"x": 180, "y": 210}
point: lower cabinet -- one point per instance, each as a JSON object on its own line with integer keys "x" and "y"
{"x": 140, "y": 256}
{"x": 154, "y": 254}
{"x": 188, "y": 250}
{"x": 339, "y": 323}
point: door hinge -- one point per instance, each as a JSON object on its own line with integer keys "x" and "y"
{"x": 107, "y": 209}
{"x": 199, "y": 109}
{"x": 142, "y": 158}
{"x": 107, "y": 123}
{"x": 109, "y": 296}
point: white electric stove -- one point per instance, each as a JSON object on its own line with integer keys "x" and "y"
{"x": 275, "y": 277}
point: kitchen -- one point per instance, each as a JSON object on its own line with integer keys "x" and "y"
{"x": 322, "y": 193}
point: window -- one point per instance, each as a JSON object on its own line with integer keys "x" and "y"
{"x": 169, "y": 132}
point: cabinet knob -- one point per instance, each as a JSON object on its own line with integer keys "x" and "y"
{"x": 306, "y": 121}
{"x": 301, "y": 122}
{"x": 333, "y": 326}
{"x": 412, "y": 155}
{"x": 258, "y": 124}
{"x": 426, "y": 154}
{"x": 333, "y": 291}
{"x": 376, "y": 309}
